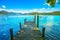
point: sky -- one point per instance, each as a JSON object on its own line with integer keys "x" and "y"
{"x": 27, "y": 6}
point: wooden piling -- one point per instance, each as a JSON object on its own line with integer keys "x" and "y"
{"x": 43, "y": 33}
{"x": 34, "y": 18}
{"x": 20, "y": 25}
{"x": 37, "y": 20}
{"x": 11, "y": 34}
{"x": 24, "y": 20}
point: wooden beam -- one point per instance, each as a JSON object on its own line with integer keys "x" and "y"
{"x": 24, "y": 20}
{"x": 20, "y": 25}
{"x": 11, "y": 33}
{"x": 37, "y": 20}
{"x": 43, "y": 33}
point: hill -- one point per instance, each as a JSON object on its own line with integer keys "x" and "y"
{"x": 32, "y": 13}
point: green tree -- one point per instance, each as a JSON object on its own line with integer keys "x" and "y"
{"x": 52, "y": 2}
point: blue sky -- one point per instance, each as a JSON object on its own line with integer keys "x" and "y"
{"x": 27, "y": 5}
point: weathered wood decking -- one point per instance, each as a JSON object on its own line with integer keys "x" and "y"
{"x": 28, "y": 35}
{"x": 28, "y": 32}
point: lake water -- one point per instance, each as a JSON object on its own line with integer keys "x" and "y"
{"x": 51, "y": 23}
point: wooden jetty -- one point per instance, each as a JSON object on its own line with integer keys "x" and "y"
{"x": 29, "y": 31}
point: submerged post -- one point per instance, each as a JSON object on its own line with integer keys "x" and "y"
{"x": 20, "y": 26}
{"x": 37, "y": 20}
{"x": 34, "y": 18}
{"x": 24, "y": 20}
{"x": 43, "y": 33}
{"x": 11, "y": 34}
{"x": 35, "y": 14}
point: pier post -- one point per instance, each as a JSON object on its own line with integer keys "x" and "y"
{"x": 37, "y": 20}
{"x": 35, "y": 14}
{"x": 34, "y": 18}
{"x": 11, "y": 33}
{"x": 43, "y": 33}
{"x": 24, "y": 20}
{"x": 20, "y": 26}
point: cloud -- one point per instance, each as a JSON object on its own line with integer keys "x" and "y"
{"x": 41, "y": 10}
{"x": 3, "y": 6}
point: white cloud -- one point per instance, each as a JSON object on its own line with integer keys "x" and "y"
{"x": 41, "y": 10}
{"x": 3, "y": 6}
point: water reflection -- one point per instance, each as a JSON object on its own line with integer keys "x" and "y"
{"x": 51, "y": 23}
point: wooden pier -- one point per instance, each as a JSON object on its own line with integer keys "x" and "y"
{"x": 29, "y": 31}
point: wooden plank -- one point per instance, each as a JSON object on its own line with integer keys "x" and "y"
{"x": 27, "y": 33}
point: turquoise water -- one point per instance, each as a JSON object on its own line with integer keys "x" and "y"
{"x": 51, "y": 23}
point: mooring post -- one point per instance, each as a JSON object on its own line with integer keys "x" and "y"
{"x": 43, "y": 33}
{"x": 11, "y": 33}
{"x": 20, "y": 26}
{"x": 34, "y": 18}
{"x": 24, "y": 20}
{"x": 37, "y": 20}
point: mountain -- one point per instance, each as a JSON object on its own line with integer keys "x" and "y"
{"x": 32, "y": 13}
{"x": 3, "y": 13}
{"x": 9, "y": 13}
{"x": 56, "y": 12}
{"x": 50, "y": 13}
